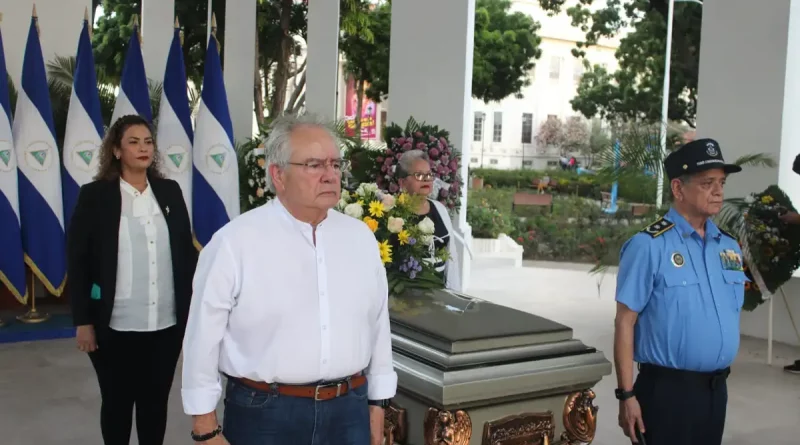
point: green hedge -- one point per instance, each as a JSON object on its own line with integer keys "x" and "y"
{"x": 640, "y": 189}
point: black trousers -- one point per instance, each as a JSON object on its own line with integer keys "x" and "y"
{"x": 135, "y": 369}
{"x": 682, "y": 407}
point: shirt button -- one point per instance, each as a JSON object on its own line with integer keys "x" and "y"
{"x": 320, "y": 260}
{"x": 324, "y": 362}
{"x": 324, "y": 328}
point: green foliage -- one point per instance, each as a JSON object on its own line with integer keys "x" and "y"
{"x": 366, "y": 50}
{"x": 506, "y": 46}
{"x": 635, "y": 90}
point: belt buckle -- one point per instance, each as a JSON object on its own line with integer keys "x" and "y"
{"x": 338, "y": 390}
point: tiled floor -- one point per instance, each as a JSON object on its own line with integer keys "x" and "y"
{"x": 49, "y": 394}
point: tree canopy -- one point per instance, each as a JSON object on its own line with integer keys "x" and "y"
{"x": 634, "y": 92}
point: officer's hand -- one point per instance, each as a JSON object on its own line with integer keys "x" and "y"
{"x": 790, "y": 218}
{"x": 630, "y": 415}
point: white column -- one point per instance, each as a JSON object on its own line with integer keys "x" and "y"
{"x": 239, "y": 64}
{"x": 323, "y": 57}
{"x": 158, "y": 23}
{"x": 60, "y": 23}
{"x": 440, "y": 96}
{"x": 749, "y": 100}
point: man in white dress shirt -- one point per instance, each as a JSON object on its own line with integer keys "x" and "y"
{"x": 290, "y": 303}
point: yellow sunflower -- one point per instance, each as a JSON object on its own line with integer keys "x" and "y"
{"x": 403, "y": 198}
{"x": 403, "y": 237}
{"x": 386, "y": 251}
{"x": 376, "y": 209}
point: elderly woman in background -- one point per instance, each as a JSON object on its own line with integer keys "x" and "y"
{"x": 131, "y": 261}
{"x": 416, "y": 178}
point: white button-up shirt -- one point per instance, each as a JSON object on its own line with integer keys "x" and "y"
{"x": 144, "y": 299}
{"x": 271, "y": 306}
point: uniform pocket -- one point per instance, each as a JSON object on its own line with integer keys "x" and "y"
{"x": 735, "y": 281}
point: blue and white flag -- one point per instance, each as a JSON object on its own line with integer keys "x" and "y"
{"x": 134, "y": 95}
{"x": 175, "y": 134}
{"x": 12, "y": 258}
{"x": 215, "y": 194}
{"x": 84, "y": 133}
{"x": 40, "y": 201}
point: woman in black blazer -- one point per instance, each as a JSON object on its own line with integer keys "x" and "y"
{"x": 130, "y": 261}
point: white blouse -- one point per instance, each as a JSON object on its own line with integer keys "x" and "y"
{"x": 145, "y": 294}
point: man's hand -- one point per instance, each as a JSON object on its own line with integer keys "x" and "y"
{"x": 205, "y": 424}
{"x": 630, "y": 416}
{"x": 376, "y": 415}
{"x": 219, "y": 440}
{"x": 85, "y": 338}
{"x": 790, "y": 218}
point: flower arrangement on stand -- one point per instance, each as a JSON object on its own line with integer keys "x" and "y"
{"x": 405, "y": 246}
{"x": 255, "y": 176}
{"x": 772, "y": 247}
{"x": 445, "y": 160}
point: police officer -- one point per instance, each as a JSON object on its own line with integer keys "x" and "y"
{"x": 680, "y": 289}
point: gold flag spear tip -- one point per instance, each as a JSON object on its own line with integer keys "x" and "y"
{"x": 34, "y": 14}
{"x": 1, "y": 16}
{"x": 214, "y": 23}
{"x": 177, "y": 23}
{"x": 86, "y": 13}
{"x": 136, "y": 20}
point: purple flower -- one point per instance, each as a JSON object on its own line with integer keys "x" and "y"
{"x": 412, "y": 275}
{"x": 406, "y": 146}
{"x": 393, "y": 188}
{"x": 431, "y": 138}
{"x": 443, "y": 141}
{"x": 412, "y": 241}
{"x": 453, "y": 165}
{"x": 387, "y": 161}
{"x": 399, "y": 141}
{"x": 379, "y": 159}
{"x": 433, "y": 153}
{"x": 418, "y": 134}
{"x": 445, "y": 159}
{"x": 421, "y": 146}
{"x": 443, "y": 193}
{"x": 384, "y": 168}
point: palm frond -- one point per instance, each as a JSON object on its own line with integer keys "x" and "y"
{"x": 756, "y": 160}
{"x": 61, "y": 71}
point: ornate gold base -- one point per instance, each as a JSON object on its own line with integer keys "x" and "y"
{"x": 33, "y": 316}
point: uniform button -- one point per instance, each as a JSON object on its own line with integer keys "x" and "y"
{"x": 684, "y": 283}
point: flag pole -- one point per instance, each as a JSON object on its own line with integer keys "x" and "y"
{"x": 33, "y": 315}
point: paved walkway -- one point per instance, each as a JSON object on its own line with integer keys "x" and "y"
{"x": 49, "y": 393}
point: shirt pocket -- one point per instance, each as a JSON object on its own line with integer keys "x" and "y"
{"x": 735, "y": 281}
{"x": 681, "y": 284}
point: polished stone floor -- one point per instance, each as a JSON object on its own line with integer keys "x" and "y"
{"x": 49, "y": 394}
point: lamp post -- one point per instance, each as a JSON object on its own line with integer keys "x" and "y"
{"x": 483, "y": 134}
{"x": 665, "y": 97}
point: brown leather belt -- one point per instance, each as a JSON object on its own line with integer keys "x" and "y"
{"x": 326, "y": 391}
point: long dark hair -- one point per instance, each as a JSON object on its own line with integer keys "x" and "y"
{"x": 110, "y": 167}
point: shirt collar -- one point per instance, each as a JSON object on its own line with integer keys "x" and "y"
{"x": 686, "y": 230}
{"x": 296, "y": 222}
{"x": 125, "y": 186}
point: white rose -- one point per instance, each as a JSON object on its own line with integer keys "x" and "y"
{"x": 395, "y": 225}
{"x": 342, "y": 203}
{"x": 354, "y": 210}
{"x": 388, "y": 202}
{"x": 365, "y": 188}
{"x": 251, "y": 182}
{"x": 426, "y": 240}
{"x": 426, "y": 226}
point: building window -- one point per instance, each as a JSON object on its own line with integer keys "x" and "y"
{"x": 473, "y": 160}
{"x": 492, "y": 161}
{"x": 555, "y": 67}
{"x": 552, "y": 163}
{"x": 527, "y": 128}
{"x": 527, "y": 163}
{"x": 477, "y": 127}
{"x": 552, "y": 116}
{"x": 497, "y": 128}
{"x": 579, "y": 69}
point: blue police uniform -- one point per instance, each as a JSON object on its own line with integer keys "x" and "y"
{"x": 688, "y": 292}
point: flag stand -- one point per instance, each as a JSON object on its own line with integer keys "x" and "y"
{"x": 33, "y": 315}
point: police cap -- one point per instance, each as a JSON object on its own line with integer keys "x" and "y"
{"x": 697, "y": 156}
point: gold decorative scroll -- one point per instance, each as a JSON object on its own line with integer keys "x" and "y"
{"x": 447, "y": 427}
{"x": 520, "y": 429}
{"x": 395, "y": 429}
{"x": 580, "y": 418}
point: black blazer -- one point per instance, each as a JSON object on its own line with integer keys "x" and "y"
{"x": 92, "y": 244}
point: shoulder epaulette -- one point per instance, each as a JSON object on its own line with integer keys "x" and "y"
{"x": 658, "y": 227}
{"x": 727, "y": 234}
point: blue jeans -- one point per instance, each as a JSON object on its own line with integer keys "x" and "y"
{"x": 254, "y": 417}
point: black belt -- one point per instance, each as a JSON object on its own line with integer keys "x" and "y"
{"x": 713, "y": 378}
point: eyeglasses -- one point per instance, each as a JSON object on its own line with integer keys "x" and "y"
{"x": 423, "y": 176}
{"x": 318, "y": 166}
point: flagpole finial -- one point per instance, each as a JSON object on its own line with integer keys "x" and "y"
{"x": 214, "y": 24}
{"x": 137, "y": 28}
{"x": 177, "y": 23}
{"x": 136, "y": 20}
{"x": 34, "y": 14}
{"x": 86, "y": 13}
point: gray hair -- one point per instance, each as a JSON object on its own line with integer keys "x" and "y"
{"x": 278, "y": 150}
{"x": 407, "y": 160}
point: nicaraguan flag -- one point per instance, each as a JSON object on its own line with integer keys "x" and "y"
{"x": 12, "y": 258}
{"x": 175, "y": 134}
{"x": 40, "y": 201}
{"x": 84, "y": 133}
{"x": 134, "y": 95}
{"x": 215, "y": 193}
